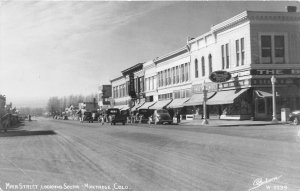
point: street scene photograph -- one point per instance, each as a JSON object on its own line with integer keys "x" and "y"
{"x": 149, "y": 95}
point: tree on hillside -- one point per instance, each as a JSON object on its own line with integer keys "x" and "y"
{"x": 53, "y": 105}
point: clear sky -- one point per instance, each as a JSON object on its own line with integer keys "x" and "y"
{"x": 59, "y": 48}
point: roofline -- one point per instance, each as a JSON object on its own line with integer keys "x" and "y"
{"x": 132, "y": 69}
{"x": 241, "y": 17}
{"x": 117, "y": 78}
{"x": 171, "y": 55}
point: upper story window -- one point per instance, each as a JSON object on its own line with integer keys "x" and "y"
{"x": 237, "y": 50}
{"x": 169, "y": 77}
{"x": 273, "y": 48}
{"x": 177, "y": 74}
{"x": 203, "y": 66}
{"x": 227, "y": 55}
{"x": 242, "y": 52}
{"x": 223, "y": 57}
{"x": 210, "y": 64}
{"x": 166, "y": 77}
{"x": 182, "y": 73}
{"x": 174, "y": 75}
{"x": 266, "y": 49}
{"x": 187, "y": 71}
{"x": 196, "y": 69}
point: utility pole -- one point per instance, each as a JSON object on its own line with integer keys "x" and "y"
{"x": 205, "y": 121}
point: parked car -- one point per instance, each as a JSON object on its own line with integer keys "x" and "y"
{"x": 295, "y": 117}
{"x": 144, "y": 114}
{"x": 162, "y": 114}
{"x": 87, "y": 116}
{"x": 116, "y": 116}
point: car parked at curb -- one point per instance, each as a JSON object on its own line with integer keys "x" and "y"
{"x": 116, "y": 116}
{"x": 163, "y": 116}
{"x": 295, "y": 117}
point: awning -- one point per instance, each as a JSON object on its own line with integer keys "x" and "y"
{"x": 177, "y": 103}
{"x": 197, "y": 99}
{"x": 280, "y": 91}
{"x": 225, "y": 97}
{"x": 160, "y": 104}
{"x": 125, "y": 107}
{"x": 263, "y": 94}
{"x": 137, "y": 106}
{"x": 120, "y": 106}
{"x": 147, "y": 105}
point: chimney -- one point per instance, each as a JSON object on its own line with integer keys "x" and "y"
{"x": 291, "y": 9}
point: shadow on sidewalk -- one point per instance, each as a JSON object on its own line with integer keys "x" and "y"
{"x": 15, "y": 133}
{"x": 248, "y": 125}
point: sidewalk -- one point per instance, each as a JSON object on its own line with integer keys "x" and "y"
{"x": 224, "y": 123}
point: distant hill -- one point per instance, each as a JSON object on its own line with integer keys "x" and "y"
{"x": 29, "y": 102}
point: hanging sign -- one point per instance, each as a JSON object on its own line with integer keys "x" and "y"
{"x": 219, "y": 76}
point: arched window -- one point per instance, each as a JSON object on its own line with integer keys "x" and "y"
{"x": 196, "y": 69}
{"x": 210, "y": 63}
{"x": 203, "y": 66}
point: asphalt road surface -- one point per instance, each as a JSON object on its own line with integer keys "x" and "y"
{"x": 48, "y": 154}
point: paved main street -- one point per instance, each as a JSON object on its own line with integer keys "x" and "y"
{"x": 54, "y": 155}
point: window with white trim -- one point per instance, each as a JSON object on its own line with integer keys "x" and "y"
{"x": 273, "y": 48}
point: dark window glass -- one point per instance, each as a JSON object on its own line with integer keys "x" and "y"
{"x": 279, "y": 46}
{"x": 196, "y": 69}
{"x": 210, "y": 63}
{"x": 203, "y": 66}
{"x": 223, "y": 57}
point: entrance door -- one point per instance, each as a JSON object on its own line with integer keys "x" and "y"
{"x": 261, "y": 108}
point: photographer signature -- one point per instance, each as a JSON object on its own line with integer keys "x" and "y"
{"x": 260, "y": 182}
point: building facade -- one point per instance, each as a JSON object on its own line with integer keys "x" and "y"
{"x": 120, "y": 97}
{"x": 252, "y": 46}
{"x": 104, "y": 96}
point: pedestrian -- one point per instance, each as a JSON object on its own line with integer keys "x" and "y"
{"x": 101, "y": 119}
{"x": 150, "y": 120}
{"x": 155, "y": 117}
{"x": 178, "y": 117}
{"x": 110, "y": 119}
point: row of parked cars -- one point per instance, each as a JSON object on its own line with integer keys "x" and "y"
{"x": 114, "y": 116}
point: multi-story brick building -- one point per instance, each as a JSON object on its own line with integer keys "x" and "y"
{"x": 252, "y": 46}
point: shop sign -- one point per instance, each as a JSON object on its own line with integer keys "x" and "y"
{"x": 237, "y": 83}
{"x": 210, "y": 87}
{"x": 219, "y": 76}
{"x": 275, "y": 71}
{"x": 267, "y": 81}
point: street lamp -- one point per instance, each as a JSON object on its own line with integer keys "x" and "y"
{"x": 205, "y": 121}
{"x": 273, "y": 80}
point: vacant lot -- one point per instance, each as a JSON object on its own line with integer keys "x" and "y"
{"x": 49, "y": 154}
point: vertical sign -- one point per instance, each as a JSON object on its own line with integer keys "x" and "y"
{"x": 131, "y": 92}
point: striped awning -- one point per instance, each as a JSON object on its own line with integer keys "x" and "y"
{"x": 197, "y": 99}
{"x": 147, "y": 105}
{"x": 160, "y": 104}
{"x": 225, "y": 97}
{"x": 178, "y": 103}
{"x": 137, "y": 106}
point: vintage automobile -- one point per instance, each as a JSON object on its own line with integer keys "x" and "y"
{"x": 162, "y": 115}
{"x": 87, "y": 116}
{"x": 295, "y": 117}
{"x": 116, "y": 116}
